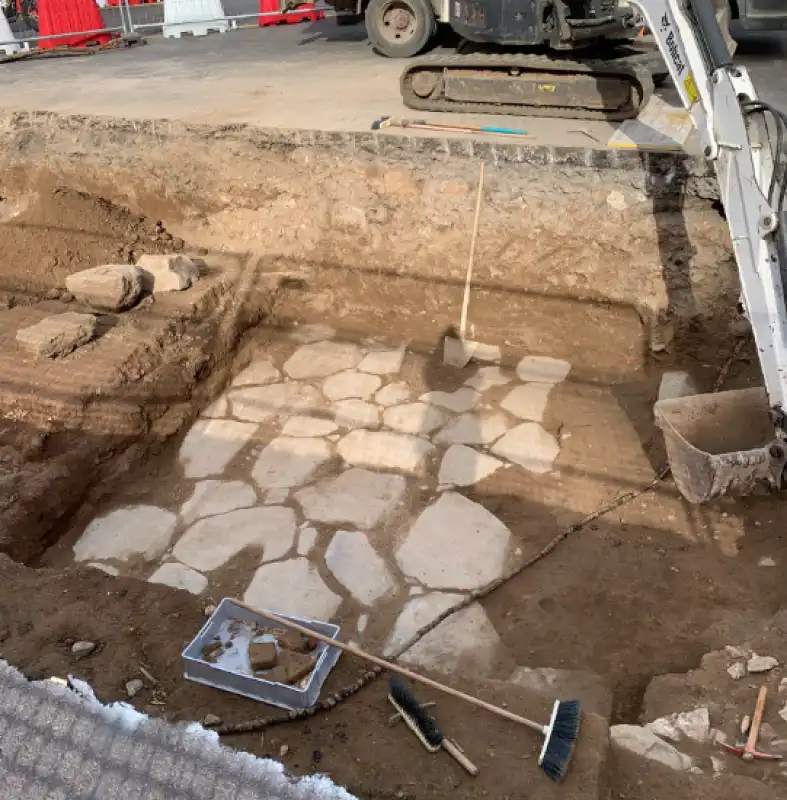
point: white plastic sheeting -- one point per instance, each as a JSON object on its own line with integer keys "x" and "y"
{"x": 194, "y": 17}
{"x": 7, "y": 36}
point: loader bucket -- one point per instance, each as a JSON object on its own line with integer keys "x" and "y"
{"x": 722, "y": 443}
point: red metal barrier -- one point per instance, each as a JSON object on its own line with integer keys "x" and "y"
{"x": 59, "y": 16}
{"x": 304, "y": 13}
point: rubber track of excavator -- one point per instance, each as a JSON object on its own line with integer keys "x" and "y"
{"x": 636, "y": 69}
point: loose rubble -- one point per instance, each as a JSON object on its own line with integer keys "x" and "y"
{"x": 758, "y": 664}
{"x": 167, "y": 273}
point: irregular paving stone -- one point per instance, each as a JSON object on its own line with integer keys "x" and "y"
{"x": 358, "y": 567}
{"x": 57, "y": 335}
{"x": 113, "y": 287}
{"x": 258, "y": 373}
{"x": 356, "y": 414}
{"x": 179, "y": 576}
{"x": 542, "y": 369}
{"x": 307, "y": 538}
{"x": 308, "y": 427}
{"x": 172, "y": 272}
{"x": 761, "y": 663}
{"x": 216, "y": 497}
{"x": 590, "y": 689}
{"x": 307, "y": 334}
{"x": 530, "y": 446}
{"x": 289, "y": 461}
{"x": 384, "y": 450}
{"x": 528, "y": 401}
{"x": 211, "y": 444}
{"x": 418, "y": 418}
{"x": 260, "y": 403}
{"x": 645, "y": 743}
{"x": 676, "y": 384}
{"x": 211, "y": 542}
{"x": 321, "y": 359}
{"x": 133, "y": 531}
{"x": 463, "y": 466}
{"x": 383, "y": 362}
{"x": 393, "y": 394}
{"x": 467, "y": 638}
{"x": 487, "y": 378}
{"x": 473, "y": 428}
{"x": 694, "y": 725}
{"x": 455, "y": 544}
{"x": 220, "y": 407}
{"x": 461, "y": 400}
{"x": 276, "y": 497}
{"x": 489, "y": 353}
{"x": 357, "y": 497}
{"x": 350, "y": 384}
{"x": 292, "y": 587}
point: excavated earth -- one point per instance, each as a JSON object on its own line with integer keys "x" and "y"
{"x": 354, "y": 249}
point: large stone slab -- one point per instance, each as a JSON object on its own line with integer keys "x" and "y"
{"x": 211, "y": 444}
{"x": 350, "y": 383}
{"x": 321, "y": 359}
{"x": 358, "y": 497}
{"x": 466, "y": 642}
{"x": 528, "y": 401}
{"x": 179, "y": 576}
{"x": 487, "y": 378}
{"x": 646, "y": 744}
{"x": 133, "y": 531}
{"x": 259, "y": 373}
{"x": 530, "y": 446}
{"x": 211, "y": 542}
{"x": 261, "y": 403}
{"x": 292, "y": 587}
{"x": 113, "y": 287}
{"x": 383, "y": 450}
{"x": 170, "y": 272}
{"x": 383, "y": 362}
{"x": 58, "y": 335}
{"x": 393, "y": 394}
{"x": 459, "y": 401}
{"x": 416, "y": 418}
{"x": 216, "y": 497}
{"x": 455, "y": 544}
{"x": 309, "y": 427}
{"x": 289, "y": 461}
{"x": 358, "y": 567}
{"x": 463, "y": 466}
{"x": 473, "y": 428}
{"x": 542, "y": 369}
{"x": 354, "y": 413}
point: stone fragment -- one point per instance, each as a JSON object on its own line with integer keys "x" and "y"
{"x": 321, "y": 359}
{"x": 133, "y": 531}
{"x": 676, "y": 384}
{"x": 733, "y": 651}
{"x": 210, "y": 720}
{"x": 461, "y": 400}
{"x": 645, "y": 743}
{"x": 308, "y": 334}
{"x": 356, "y": 414}
{"x": 463, "y": 466}
{"x": 542, "y": 369}
{"x": 209, "y": 543}
{"x": 82, "y": 649}
{"x": 465, "y": 641}
{"x": 758, "y": 664}
{"x": 211, "y": 444}
{"x": 289, "y": 461}
{"x": 260, "y": 403}
{"x": 356, "y": 565}
{"x": 383, "y": 450}
{"x": 258, "y": 373}
{"x": 216, "y": 497}
{"x": 357, "y": 497}
{"x": 488, "y": 353}
{"x": 57, "y": 335}
{"x": 737, "y": 671}
{"x": 383, "y": 362}
{"x": 113, "y": 287}
{"x": 292, "y": 587}
{"x": 527, "y": 402}
{"x": 262, "y": 655}
{"x": 694, "y": 725}
{"x": 454, "y": 544}
{"x": 307, "y": 538}
{"x": 170, "y": 272}
{"x": 134, "y": 687}
{"x": 473, "y": 428}
{"x": 393, "y": 394}
{"x": 308, "y": 427}
{"x": 487, "y": 378}
{"x": 220, "y": 407}
{"x": 106, "y": 568}
{"x": 417, "y": 418}
{"x": 766, "y": 561}
{"x": 350, "y": 384}
{"x": 179, "y": 576}
{"x": 530, "y": 446}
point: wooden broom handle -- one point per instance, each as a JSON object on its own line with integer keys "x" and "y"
{"x": 413, "y": 676}
{"x": 459, "y": 756}
{"x": 754, "y": 731}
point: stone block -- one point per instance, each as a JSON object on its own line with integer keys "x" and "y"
{"x": 112, "y": 287}
{"x": 171, "y": 272}
{"x": 57, "y": 335}
{"x": 645, "y": 743}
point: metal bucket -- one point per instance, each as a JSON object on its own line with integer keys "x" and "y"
{"x": 721, "y": 443}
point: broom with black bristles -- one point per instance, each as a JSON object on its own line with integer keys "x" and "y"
{"x": 560, "y": 735}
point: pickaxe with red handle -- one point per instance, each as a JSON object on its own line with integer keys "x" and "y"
{"x": 749, "y": 751}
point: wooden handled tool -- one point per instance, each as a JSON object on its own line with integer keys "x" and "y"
{"x": 754, "y": 731}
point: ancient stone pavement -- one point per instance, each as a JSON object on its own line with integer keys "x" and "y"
{"x": 334, "y": 487}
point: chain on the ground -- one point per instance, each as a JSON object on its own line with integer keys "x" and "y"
{"x": 365, "y": 678}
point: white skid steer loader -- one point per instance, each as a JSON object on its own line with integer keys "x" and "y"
{"x": 733, "y": 441}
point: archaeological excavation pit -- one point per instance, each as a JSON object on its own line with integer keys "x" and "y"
{"x": 285, "y": 431}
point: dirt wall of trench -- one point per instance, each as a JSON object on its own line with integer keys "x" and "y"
{"x": 642, "y": 233}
